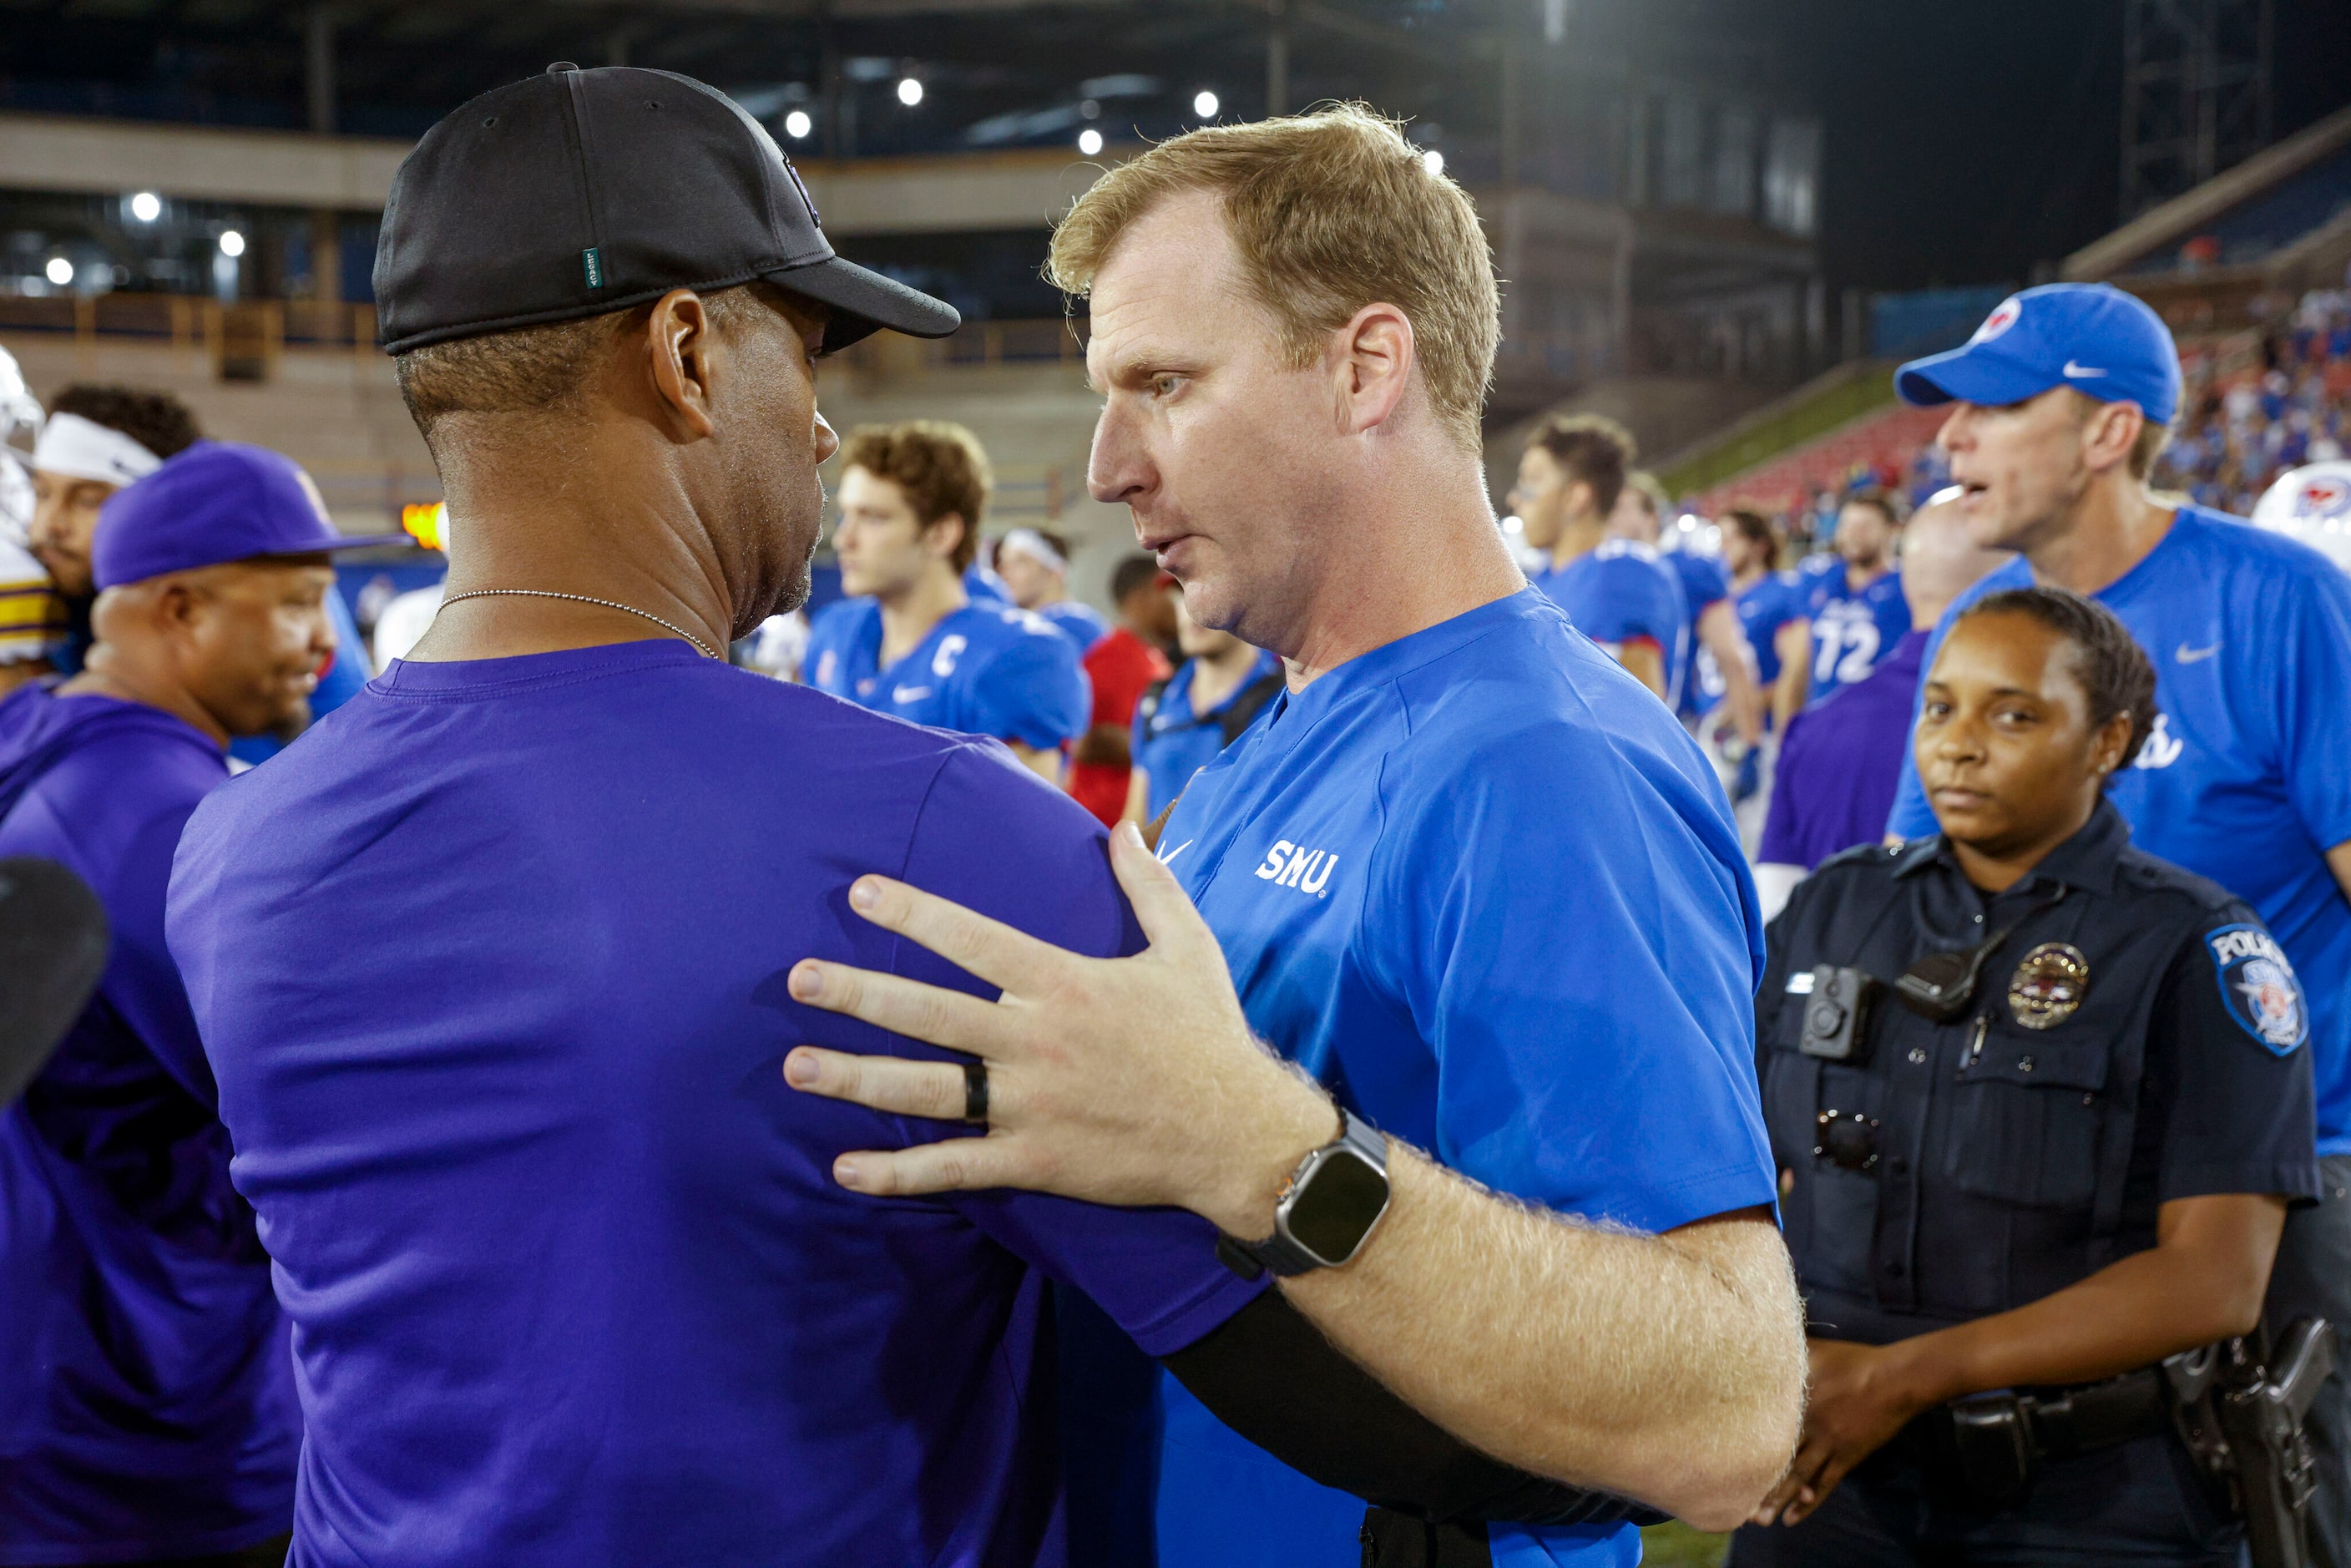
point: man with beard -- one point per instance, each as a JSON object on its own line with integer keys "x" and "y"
{"x": 146, "y": 1393}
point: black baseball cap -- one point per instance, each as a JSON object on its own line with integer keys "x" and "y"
{"x": 578, "y": 193}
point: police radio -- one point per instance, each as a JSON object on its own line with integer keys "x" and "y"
{"x": 1836, "y": 1017}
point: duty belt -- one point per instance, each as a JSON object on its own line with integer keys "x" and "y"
{"x": 1994, "y": 1441}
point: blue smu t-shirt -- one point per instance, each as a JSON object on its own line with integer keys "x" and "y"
{"x": 146, "y": 1390}
{"x": 492, "y": 972}
{"x": 1171, "y": 742}
{"x": 1490, "y": 892}
{"x": 986, "y": 669}
{"x": 2246, "y": 775}
{"x": 1081, "y": 623}
{"x": 1623, "y": 592}
{"x": 1704, "y": 585}
{"x": 1853, "y": 628}
{"x": 1766, "y": 605}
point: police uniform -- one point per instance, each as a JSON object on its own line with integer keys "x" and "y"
{"x": 2134, "y": 1035}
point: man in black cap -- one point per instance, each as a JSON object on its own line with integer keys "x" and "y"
{"x": 571, "y": 1281}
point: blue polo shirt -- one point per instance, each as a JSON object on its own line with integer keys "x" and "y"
{"x": 1488, "y": 892}
{"x": 1623, "y": 592}
{"x": 2246, "y": 776}
{"x": 1081, "y": 623}
{"x": 986, "y": 669}
{"x": 146, "y": 1390}
{"x": 492, "y": 973}
{"x": 1853, "y": 628}
{"x": 1172, "y": 740}
{"x": 1764, "y": 606}
{"x": 1704, "y": 585}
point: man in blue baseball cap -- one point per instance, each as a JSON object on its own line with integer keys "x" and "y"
{"x": 2060, "y": 403}
{"x": 146, "y": 1394}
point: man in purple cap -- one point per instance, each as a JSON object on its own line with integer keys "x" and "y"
{"x": 2060, "y": 403}
{"x": 146, "y": 1394}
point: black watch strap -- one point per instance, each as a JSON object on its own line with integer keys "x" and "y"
{"x": 1280, "y": 1254}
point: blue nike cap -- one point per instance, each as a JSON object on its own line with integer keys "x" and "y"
{"x": 217, "y": 502}
{"x": 2091, "y": 337}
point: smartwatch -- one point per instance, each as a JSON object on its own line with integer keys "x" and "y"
{"x": 1327, "y": 1210}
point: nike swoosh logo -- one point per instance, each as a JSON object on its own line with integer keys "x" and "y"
{"x": 2075, "y": 372}
{"x": 908, "y": 693}
{"x": 2187, "y": 655}
{"x": 1169, "y": 858}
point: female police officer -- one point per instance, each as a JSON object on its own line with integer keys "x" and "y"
{"x": 2039, "y": 1104}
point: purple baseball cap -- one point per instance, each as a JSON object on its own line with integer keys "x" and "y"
{"x": 218, "y": 501}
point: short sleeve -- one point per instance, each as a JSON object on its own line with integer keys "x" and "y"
{"x": 2314, "y": 749}
{"x": 1121, "y": 671}
{"x": 1705, "y": 582}
{"x": 122, "y": 844}
{"x": 1611, "y": 1075}
{"x": 1032, "y": 690}
{"x": 994, "y": 837}
{"x": 1632, "y": 605}
{"x": 2228, "y": 1070}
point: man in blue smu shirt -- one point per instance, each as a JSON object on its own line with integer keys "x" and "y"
{"x": 1617, "y": 591}
{"x": 2062, "y": 400}
{"x": 1463, "y": 871}
{"x": 911, "y": 642}
{"x": 1854, "y": 601}
{"x": 571, "y": 1281}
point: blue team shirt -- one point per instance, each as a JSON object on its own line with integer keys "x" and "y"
{"x": 1081, "y": 623}
{"x": 1171, "y": 741}
{"x": 1766, "y": 605}
{"x": 146, "y": 1390}
{"x": 1390, "y": 857}
{"x": 2246, "y": 775}
{"x": 491, "y": 969}
{"x": 982, "y": 584}
{"x": 1853, "y": 628}
{"x": 1623, "y": 592}
{"x": 986, "y": 669}
{"x": 1704, "y": 585}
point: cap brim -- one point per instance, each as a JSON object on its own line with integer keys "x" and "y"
{"x": 864, "y": 302}
{"x": 1969, "y": 374}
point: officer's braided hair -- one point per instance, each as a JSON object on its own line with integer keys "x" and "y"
{"x": 2114, "y": 670}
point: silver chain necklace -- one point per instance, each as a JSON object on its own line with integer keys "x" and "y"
{"x": 708, "y": 651}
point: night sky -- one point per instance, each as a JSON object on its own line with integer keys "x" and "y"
{"x": 1969, "y": 141}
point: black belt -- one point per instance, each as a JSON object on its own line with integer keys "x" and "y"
{"x": 1990, "y": 1443}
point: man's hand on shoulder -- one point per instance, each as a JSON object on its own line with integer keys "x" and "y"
{"x": 1123, "y": 1080}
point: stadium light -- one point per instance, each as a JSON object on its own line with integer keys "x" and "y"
{"x": 797, "y": 124}
{"x": 59, "y": 271}
{"x": 146, "y": 207}
{"x": 1204, "y": 104}
{"x": 1090, "y": 142}
{"x": 1433, "y": 161}
{"x": 1513, "y": 526}
{"x": 232, "y": 243}
{"x": 910, "y": 91}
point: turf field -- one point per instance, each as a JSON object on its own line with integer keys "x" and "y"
{"x": 1676, "y": 1545}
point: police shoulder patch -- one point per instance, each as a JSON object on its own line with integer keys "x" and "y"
{"x": 2259, "y": 986}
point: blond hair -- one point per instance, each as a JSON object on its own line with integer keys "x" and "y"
{"x": 1330, "y": 212}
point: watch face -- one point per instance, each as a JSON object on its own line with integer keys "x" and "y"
{"x": 1334, "y": 1213}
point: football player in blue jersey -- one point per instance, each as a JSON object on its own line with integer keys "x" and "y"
{"x": 1771, "y": 607}
{"x": 1617, "y": 591}
{"x": 912, "y": 642}
{"x": 1720, "y": 671}
{"x": 1854, "y": 602}
{"x": 1035, "y": 566}
{"x": 2059, "y": 405}
{"x": 1294, "y": 322}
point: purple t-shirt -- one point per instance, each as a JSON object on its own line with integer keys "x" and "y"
{"x": 492, "y": 969}
{"x": 146, "y": 1394}
{"x": 1842, "y": 762}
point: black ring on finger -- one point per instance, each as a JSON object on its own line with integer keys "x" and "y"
{"x": 975, "y": 1092}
